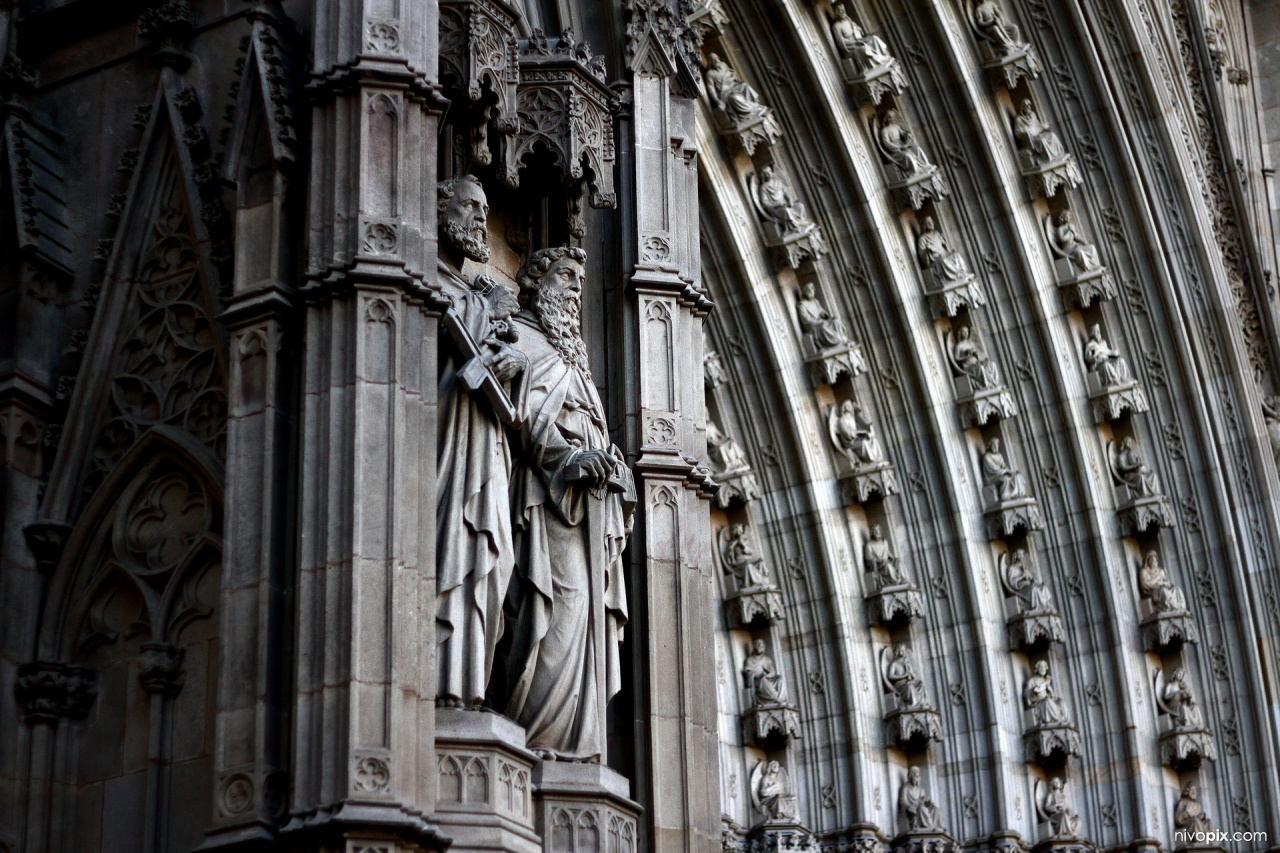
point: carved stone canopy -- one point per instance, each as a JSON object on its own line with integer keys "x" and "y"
{"x": 753, "y": 609}
{"x": 876, "y": 481}
{"x": 1051, "y": 745}
{"x": 913, "y": 730}
{"x": 563, "y": 106}
{"x": 1006, "y": 519}
{"x": 895, "y": 605}
{"x": 771, "y": 726}
{"x": 480, "y": 72}
{"x": 1165, "y": 633}
{"x": 1187, "y": 748}
{"x": 1142, "y": 514}
{"x": 1034, "y": 632}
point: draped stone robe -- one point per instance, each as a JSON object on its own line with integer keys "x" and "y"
{"x": 474, "y": 553}
{"x": 567, "y": 600}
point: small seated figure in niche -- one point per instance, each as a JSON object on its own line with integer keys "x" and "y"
{"x": 823, "y": 329}
{"x": 1039, "y": 144}
{"x": 880, "y": 561}
{"x": 1129, "y": 468}
{"x": 996, "y": 30}
{"x": 919, "y": 809}
{"x": 902, "y": 680}
{"x": 778, "y": 203}
{"x": 771, "y": 792}
{"x": 867, "y": 50}
{"x": 760, "y": 677}
{"x": 947, "y": 265}
{"x": 1066, "y": 242}
{"x": 741, "y": 559}
{"x": 738, "y": 101}
{"x": 901, "y": 148}
{"x": 1103, "y": 359}
{"x": 1189, "y": 814}
{"x": 1040, "y": 698}
{"x": 713, "y": 372}
{"x": 1021, "y": 580}
{"x": 1271, "y": 414}
{"x": 996, "y": 472}
{"x": 1156, "y": 586}
{"x": 1056, "y": 810}
{"x": 971, "y": 360}
{"x": 724, "y": 451}
{"x": 852, "y": 433}
{"x": 1177, "y": 700}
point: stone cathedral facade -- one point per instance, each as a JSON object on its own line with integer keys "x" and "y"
{"x": 651, "y": 426}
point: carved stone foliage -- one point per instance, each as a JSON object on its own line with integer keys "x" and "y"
{"x": 950, "y": 285}
{"x": 480, "y": 70}
{"x": 1050, "y": 738}
{"x": 1142, "y": 506}
{"x": 737, "y": 479}
{"x": 789, "y": 231}
{"x": 1113, "y": 392}
{"x": 913, "y": 722}
{"x": 769, "y": 720}
{"x": 829, "y": 354}
{"x": 1046, "y": 164}
{"x": 853, "y": 435}
{"x": 168, "y": 368}
{"x": 1185, "y": 741}
{"x": 980, "y": 390}
{"x": 754, "y": 601}
{"x": 1036, "y": 623}
{"x": 1082, "y": 278}
{"x": 1168, "y": 624}
{"x": 912, "y": 177}
{"x": 1005, "y": 54}
{"x": 563, "y": 106}
{"x": 48, "y": 691}
{"x": 740, "y": 116}
{"x": 869, "y": 69}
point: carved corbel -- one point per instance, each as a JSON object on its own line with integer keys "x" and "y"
{"x": 563, "y": 106}
{"x": 46, "y": 540}
{"x": 1052, "y": 745}
{"x": 160, "y": 669}
{"x": 49, "y": 691}
{"x": 1165, "y": 633}
{"x": 1010, "y": 518}
{"x": 480, "y": 72}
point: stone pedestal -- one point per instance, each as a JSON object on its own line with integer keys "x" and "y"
{"x": 948, "y": 298}
{"x": 1164, "y": 633}
{"x": 868, "y": 481}
{"x": 1142, "y": 514}
{"x": 792, "y": 248}
{"x": 912, "y": 730}
{"x": 1008, "y": 70}
{"x": 872, "y": 85}
{"x": 748, "y": 135}
{"x": 1009, "y": 518}
{"x": 924, "y": 841}
{"x": 1082, "y": 289}
{"x": 1032, "y": 632}
{"x": 737, "y": 487}
{"x": 918, "y": 189}
{"x": 830, "y": 364}
{"x": 754, "y": 608}
{"x": 1185, "y": 748}
{"x": 980, "y": 405}
{"x": 1051, "y": 746}
{"x": 584, "y": 808}
{"x": 895, "y": 605}
{"x": 484, "y": 794}
{"x": 1045, "y": 180}
{"x": 771, "y": 726}
{"x": 1112, "y": 402}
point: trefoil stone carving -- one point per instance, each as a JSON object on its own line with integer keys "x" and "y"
{"x": 980, "y": 391}
{"x": 754, "y": 601}
{"x": 1006, "y": 56}
{"x": 1143, "y": 507}
{"x": 789, "y": 232}
{"x": 738, "y": 484}
{"x": 1036, "y": 623}
{"x": 854, "y": 436}
{"x": 912, "y": 177}
{"x": 1050, "y": 738}
{"x": 563, "y": 105}
{"x": 770, "y": 720}
{"x": 949, "y": 283}
{"x": 869, "y": 69}
{"x": 738, "y": 112}
{"x": 1055, "y": 808}
{"x": 1009, "y": 508}
{"x": 829, "y": 353}
{"x": 480, "y": 72}
{"x": 1082, "y": 279}
{"x": 914, "y": 722}
{"x": 1168, "y": 624}
{"x": 1186, "y": 741}
{"x": 1046, "y": 164}
{"x": 892, "y": 598}
{"x": 1113, "y": 392}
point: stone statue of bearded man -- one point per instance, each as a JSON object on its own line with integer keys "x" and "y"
{"x": 571, "y": 501}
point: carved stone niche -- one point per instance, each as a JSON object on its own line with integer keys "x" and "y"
{"x": 791, "y": 235}
{"x": 755, "y": 601}
{"x": 1051, "y": 745}
{"x": 739, "y": 115}
{"x": 1112, "y": 402}
{"x": 1033, "y": 621}
{"x": 1165, "y": 633}
{"x": 480, "y": 72}
{"x": 979, "y": 406}
{"x": 48, "y": 691}
{"x": 563, "y": 105}
{"x": 910, "y": 175}
{"x": 583, "y": 807}
{"x": 771, "y": 726}
{"x": 708, "y": 18}
{"x": 1044, "y": 180}
{"x": 866, "y": 65}
{"x": 1009, "y": 63}
{"x": 1009, "y": 518}
{"x": 485, "y": 785}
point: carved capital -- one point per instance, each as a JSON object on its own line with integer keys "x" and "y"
{"x": 160, "y": 669}
{"x": 49, "y": 691}
{"x": 46, "y": 541}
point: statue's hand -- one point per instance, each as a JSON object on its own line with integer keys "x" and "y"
{"x": 506, "y": 363}
{"x": 590, "y": 466}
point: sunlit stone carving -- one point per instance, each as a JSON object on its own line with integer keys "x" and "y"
{"x": 1005, "y": 54}
{"x": 1047, "y": 166}
{"x": 913, "y": 722}
{"x": 1050, "y": 738}
{"x": 788, "y": 230}
{"x": 739, "y": 113}
{"x": 853, "y": 434}
{"x": 754, "y": 601}
{"x": 1009, "y": 508}
{"x": 950, "y": 285}
{"x": 829, "y": 352}
{"x": 1168, "y": 624}
{"x": 980, "y": 392}
{"x": 1082, "y": 278}
{"x": 1143, "y": 507}
{"x": 1036, "y": 623}
{"x": 734, "y": 474}
{"x": 769, "y": 720}
{"x": 869, "y": 69}
{"x": 913, "y": 178}
{"x": 1056, "y": 809}
{"x": 1113, "y": 392}
{"x": 891, "y": 598}
{"x": 1186, "y": 741}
